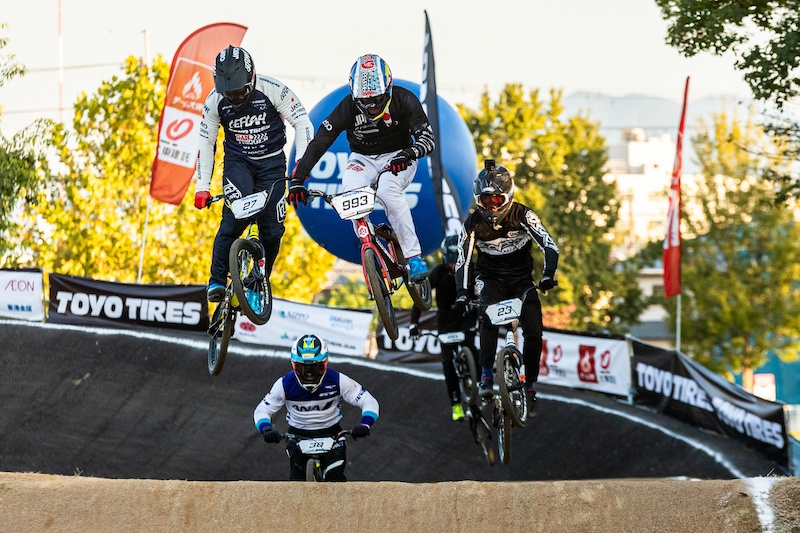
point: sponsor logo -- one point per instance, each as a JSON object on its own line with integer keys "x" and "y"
{"x": 247, "y": 326}
{"x": 362, "y": 232}
{"x": 344, "y": 324}
{"x": 294, "y": 315}
{"x": 586, "y": 371}
{"x": 140, "y": 309}
{"x": 20, "y": 285}
{"x": 307, "y": 408}
{"x": 248, "y": 121}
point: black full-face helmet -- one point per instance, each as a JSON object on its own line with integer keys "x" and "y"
{"x": 450, "y": 250}
{"x": 235, "y": 76}
{"x": 494, "y": 192}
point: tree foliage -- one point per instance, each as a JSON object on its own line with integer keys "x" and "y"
{"x": 557, "y": 165}
{"x": 764, "y": 35}
{"x": 765, "y": 38}
{"x": 91, "y": 220}
{"x": 740, "y": 293}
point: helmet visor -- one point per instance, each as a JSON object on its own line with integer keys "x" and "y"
{"x": 239, "y": 96}
{"x": 491, "y": 202}
{"x": 372, "y": 105}
{"x": 310, "y": 372}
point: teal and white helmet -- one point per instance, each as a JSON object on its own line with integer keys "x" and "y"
{"x": 309, "y": 361}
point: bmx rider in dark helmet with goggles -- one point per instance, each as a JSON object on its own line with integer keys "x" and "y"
{"x": 503, "y": 232}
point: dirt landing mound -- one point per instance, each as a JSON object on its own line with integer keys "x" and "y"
{"x": 36, "y": 503}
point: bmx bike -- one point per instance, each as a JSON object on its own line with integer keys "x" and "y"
{"x": 248, "y": 289}
{"x": 316, "y": 448}
{"x": 384, "y": 266}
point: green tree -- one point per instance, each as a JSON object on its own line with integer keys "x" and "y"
{"x": 557, "y": 165}
{"x": 90, "y": 221}
{"x": 21, "y": 161}
{"x": 765, "y": 38}
{"x": 740, "y": 272}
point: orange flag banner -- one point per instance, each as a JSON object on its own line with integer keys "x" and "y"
{"x": 191, "y": 78}
{"x": 672, "y": 241}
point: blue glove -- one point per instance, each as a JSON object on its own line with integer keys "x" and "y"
{"x": 359, "y": 432}
{"x": 271, "y": 436}
{"x": 547, "y": 283}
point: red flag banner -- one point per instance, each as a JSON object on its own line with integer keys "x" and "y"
{"x": 191, "y": 78}
{"x": 672, "y": 241}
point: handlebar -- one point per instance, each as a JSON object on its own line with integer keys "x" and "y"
{"x": 292, "y": 436}
{"x": 218, "y": 197}
{"x": 316, "y": 193}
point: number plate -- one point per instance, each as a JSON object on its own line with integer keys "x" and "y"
{"x": 451, "y": 338}
{"x": 355, "y": 203}
{"x": 505, "y": 311}
{"x": 249, "y": 205}
{"x": 311, "y": 446}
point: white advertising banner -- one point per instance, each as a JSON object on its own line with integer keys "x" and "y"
{"x": 21, "y": 294}
{"x": 586, "y": 362}
{"x": 345, "y": 331}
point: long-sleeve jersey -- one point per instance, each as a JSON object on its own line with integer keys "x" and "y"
{"x": 320, "y": 409}
{"x": 257, "y": 131}
{"x": 504, "y": 253}
{"x": 405, "y": 125}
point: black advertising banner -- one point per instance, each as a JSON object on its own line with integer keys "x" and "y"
{"x": 676, "y": 385}
{"x": 405, "y": 350}
{"x": 88, "y": 302}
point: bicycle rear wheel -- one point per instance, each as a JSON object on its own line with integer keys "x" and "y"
{"x": 481, "y": 432}
{"x": 383, "y": 300}
{"x": 221, "y": 329}
{"x": 419, "y": 291}
{"x": 512, "y": 390}
{"x": 246, "y": 264}
{"x": 504, "y": 436}
{"x": 467, "y": 375}
{"x": 311, "y": 466}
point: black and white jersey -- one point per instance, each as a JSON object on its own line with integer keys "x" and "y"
{"x": 257, "y": 131}
{"x": 320, "y": 409}
{"x": 405, "y": 125}
{"x": 504, "y": 253}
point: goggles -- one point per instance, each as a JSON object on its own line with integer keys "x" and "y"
{"x": 491, "y": 202}
{"x": 372, "y": 103}
{"x": 238, "y": 95}
{"x": 310, "y": 372}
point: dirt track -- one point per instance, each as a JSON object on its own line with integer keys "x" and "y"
{"x": 35, "y": 503}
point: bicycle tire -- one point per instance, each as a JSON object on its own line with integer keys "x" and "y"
{"x": 468, "y": 375}
{"x": 482, "y": 434}
{"x": 243, "y": 265}
{"x": 311, "y": 467}
{"x": 512, "y": 391}
{"x": 504, "y": 437}
{"x": 220, "y": 337}
{"x": 420, "y": 291}
{"x": 383, "y": 300}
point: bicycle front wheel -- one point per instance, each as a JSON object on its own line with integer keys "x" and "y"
{"x": 482, "y": 433}
{"x": 467, "y": 375}
{"x": 311, "y": 466}
{"x": 383, "y": 300}
{"x": 250, "y": 282}
{"x": 221, "y": 329}
{"x": 512, "y": 390}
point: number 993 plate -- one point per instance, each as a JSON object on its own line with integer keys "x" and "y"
{"x": 355, "y": 203}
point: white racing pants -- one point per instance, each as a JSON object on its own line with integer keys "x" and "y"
{"x": 362, "y": 169}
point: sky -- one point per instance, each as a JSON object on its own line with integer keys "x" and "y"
{"x": 613, "y": 47}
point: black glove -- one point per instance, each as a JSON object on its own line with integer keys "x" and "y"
{"x": 401, "y": 161}
{"x": 359, "y": 432}
{"x": 414, "y": 332}
{"x": 297, "y": 193}
{"x": 547, "y": 283}
{"x": 461, "y": 304}
{"x": 272, "y": 436}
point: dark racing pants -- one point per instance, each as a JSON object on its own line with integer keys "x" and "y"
{"x": 495, "y": 290}
{"x": 242, "y": 176}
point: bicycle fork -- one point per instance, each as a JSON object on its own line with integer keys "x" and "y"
{"x": 518, "y": 360}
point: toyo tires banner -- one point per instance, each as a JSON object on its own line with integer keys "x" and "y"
{"x": 682, "y": 388}
{"x": 88, "y": 302}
